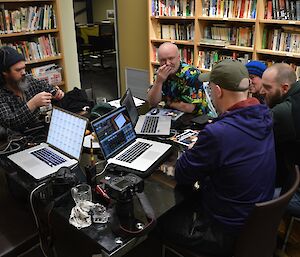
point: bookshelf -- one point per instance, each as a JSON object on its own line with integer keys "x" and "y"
{"x": 33, "y": 28}
{"x": 267, "y": 30}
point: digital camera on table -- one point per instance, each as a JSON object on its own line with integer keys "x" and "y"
{"x": 123, "y": 188}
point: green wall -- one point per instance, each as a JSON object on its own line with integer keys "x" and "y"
{"x": 100, "y": 7}
{"x": 133, "y": 36}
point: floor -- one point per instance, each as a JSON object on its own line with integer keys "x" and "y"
{"x": 103, "y": 81}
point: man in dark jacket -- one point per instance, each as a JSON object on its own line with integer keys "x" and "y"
{"x": 282, "y": 93}
{"x": 233, "y": 161}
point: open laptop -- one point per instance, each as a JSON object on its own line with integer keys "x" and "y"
{"x": 62, "y": 149}
{"x": 145, "y": 124}
{"x": 120, "y": 145}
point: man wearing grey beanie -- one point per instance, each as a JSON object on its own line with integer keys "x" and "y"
{"x": 21, "y": 96}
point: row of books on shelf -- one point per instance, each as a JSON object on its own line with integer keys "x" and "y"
{"x": 283, "y": 9}
{"x": 245, "y": 9}
{"x": 186, "y": 54}
{"x": 177, "y": 31}
{"x": 206, "y": 59}
{"x": 281, "y": 40}
{"x": 27, "y": 19}
{"x": 173, "y": 7}
{"x": 240, "y": 36}
{"x": 42, "y": 47}
{"x": 51, "y": 73}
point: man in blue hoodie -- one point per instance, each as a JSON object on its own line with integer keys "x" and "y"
{"x": 233, "y": 161}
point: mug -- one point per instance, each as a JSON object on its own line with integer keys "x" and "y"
{"x": 81, "y": 192}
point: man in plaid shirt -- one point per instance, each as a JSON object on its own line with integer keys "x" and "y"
{"x": 21, "y": 96}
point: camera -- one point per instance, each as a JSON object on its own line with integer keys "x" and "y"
{"x": 53, "y": 91}
{"x": 122, "y": 188}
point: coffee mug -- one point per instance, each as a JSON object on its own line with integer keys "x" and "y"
{"x": 81, "y": 192}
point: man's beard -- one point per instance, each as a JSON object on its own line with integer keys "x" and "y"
{"x": 275, "y": 99}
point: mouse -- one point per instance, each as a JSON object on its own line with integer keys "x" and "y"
{"x": 155, "y": 111}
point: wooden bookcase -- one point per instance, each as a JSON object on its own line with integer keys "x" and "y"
{"x": 253, "y": 50}
{"x": 53, "y": 56}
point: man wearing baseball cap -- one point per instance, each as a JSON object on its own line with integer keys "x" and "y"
{"x": 256, "y": 70}
{"x": 20, "y": 95}
{"x": 233, "y": 161}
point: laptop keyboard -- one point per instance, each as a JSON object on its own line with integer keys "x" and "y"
{"x": 48, "y": 157}
{"x": 150, "y": 124}
{"x": 133, "y": 152}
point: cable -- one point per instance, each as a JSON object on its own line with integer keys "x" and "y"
{"x": 35, "y": 216}
{"x": 100, "y": 173}
{"x": 12, "y": 143}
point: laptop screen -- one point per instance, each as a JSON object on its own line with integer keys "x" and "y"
{"x": 128, "y": 102}
{"x": 114, "y": 131}
{"x": 66, "y": 132}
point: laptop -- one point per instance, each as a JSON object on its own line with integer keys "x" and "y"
{"x": 145, "y": 124}
{"x": 62, "y": 149}
{"x": 120, "y": 145}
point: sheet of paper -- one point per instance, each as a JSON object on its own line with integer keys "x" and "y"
{"x": 116, "y": 103}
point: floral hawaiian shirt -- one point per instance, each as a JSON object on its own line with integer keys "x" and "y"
{"x": 184, "y": 86}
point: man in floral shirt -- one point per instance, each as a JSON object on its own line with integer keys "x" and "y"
{"x": 177, "y": 83}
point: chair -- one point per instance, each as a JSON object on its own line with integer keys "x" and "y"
{"x": 293, "y": 216}
{"x": 103, "y": 44}
{"x": 258, "y": 237}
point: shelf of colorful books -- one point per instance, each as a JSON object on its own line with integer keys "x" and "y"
{"x": 28, "y": 33}
{"x": 180, "y": 42}
{"x": 282, "y": 22}
{"x": 172, "y": 17}
{"x": 278, "y": 53}
{"x": 213, "y": 18}
{"x": 47, "y": 59}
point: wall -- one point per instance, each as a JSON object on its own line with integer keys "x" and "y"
{"x": 100, "y": 7}
{"x": 81, "y": 18}
{"x": 68, "y": 39}
{"x": 133, "y": 36}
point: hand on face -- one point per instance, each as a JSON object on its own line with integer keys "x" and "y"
{"x": 163, "y": 72}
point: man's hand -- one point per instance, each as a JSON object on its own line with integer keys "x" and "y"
{"x": 40, "y": 99}
{"x": 163, "y": 73}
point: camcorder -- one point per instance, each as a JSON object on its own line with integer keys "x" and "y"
{"x": 122, "y": 188}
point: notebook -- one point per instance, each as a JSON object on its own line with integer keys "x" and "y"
{"x": 62, "y": 149}
{"x": 145, "y": 124}
{"x": 120, "y": 145}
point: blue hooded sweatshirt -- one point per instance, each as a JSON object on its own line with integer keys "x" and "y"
{"x": 234, "y": 161}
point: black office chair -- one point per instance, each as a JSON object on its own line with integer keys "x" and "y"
{"x": 104, "y": 44}
{"x": 259, "y": 235}
{"x": 83, "y": 50}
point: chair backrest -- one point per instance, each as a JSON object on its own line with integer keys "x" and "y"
{"x": 258, "y": 237}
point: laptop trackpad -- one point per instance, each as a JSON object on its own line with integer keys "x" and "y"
{"x": 31, "y": 163}
{"x": 150, "y": 155}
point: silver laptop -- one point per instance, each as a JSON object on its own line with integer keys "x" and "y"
{"x": 120, "y": 145}
{"x": 145, "y": 124}
{"x": 62, "y": 149}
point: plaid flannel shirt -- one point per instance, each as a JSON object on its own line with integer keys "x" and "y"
{"x": 14, "y": 112}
